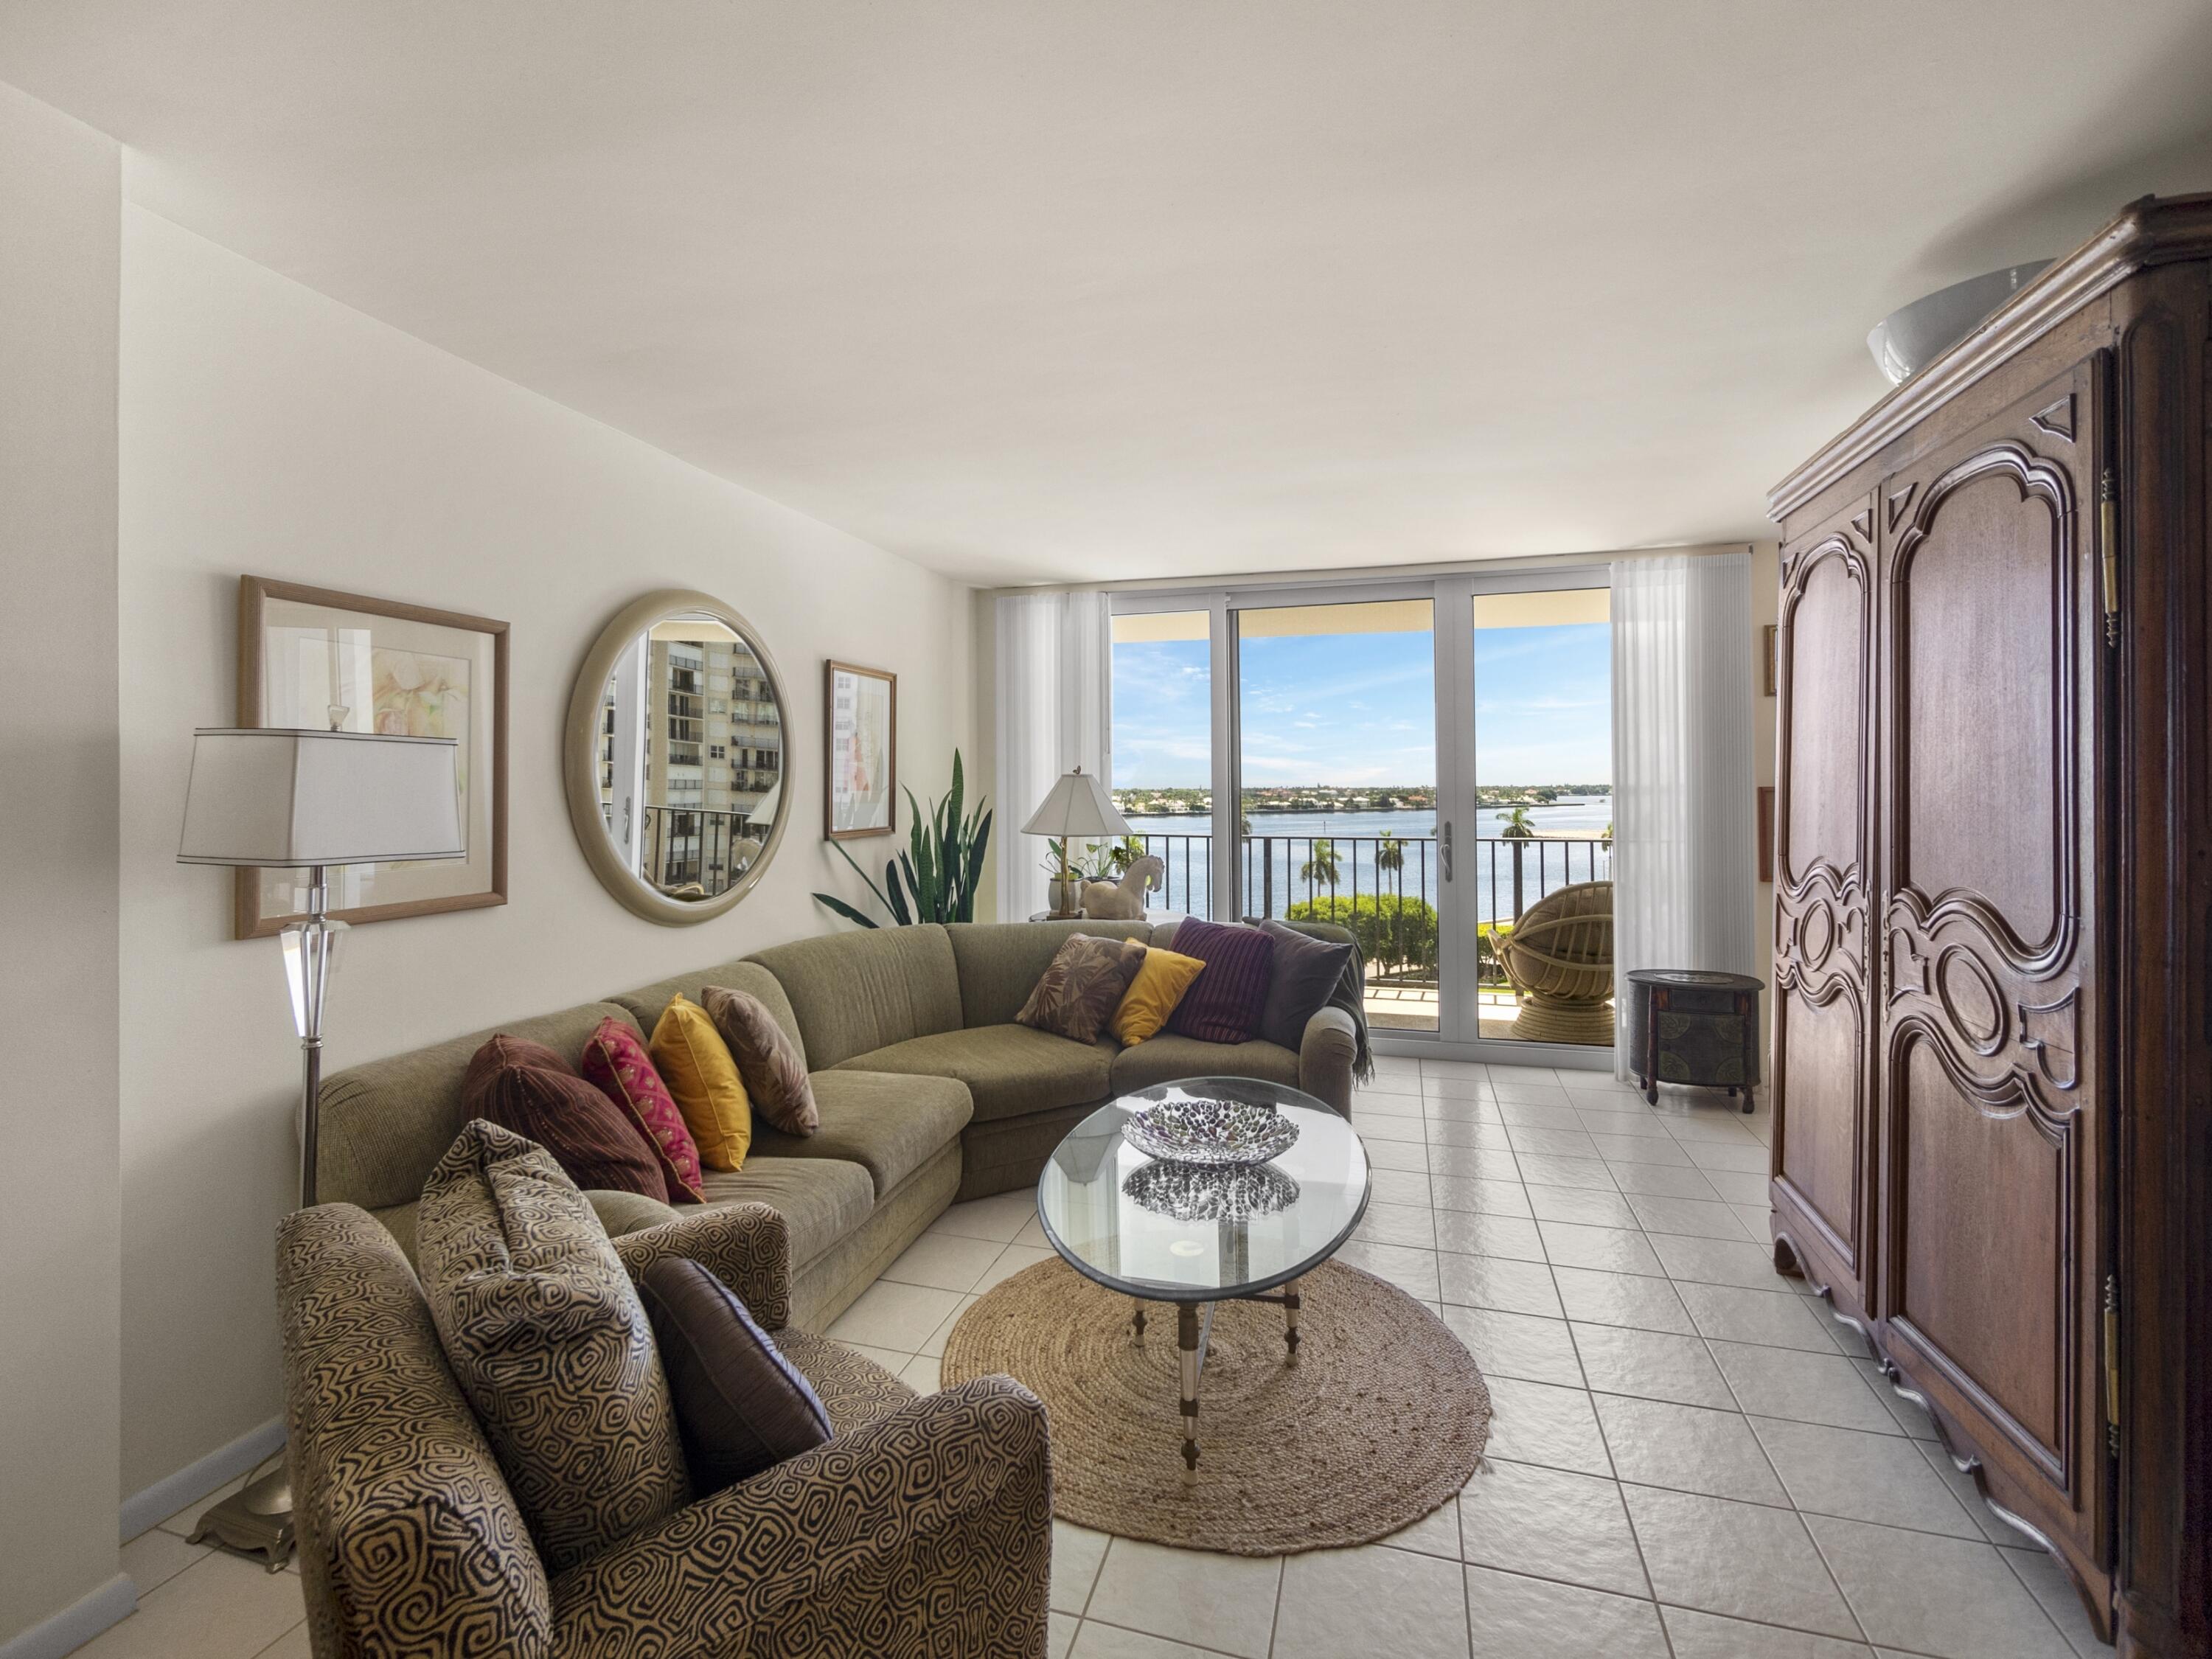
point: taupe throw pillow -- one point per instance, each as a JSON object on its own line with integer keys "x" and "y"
{"x": 744, "y": 1407}
{"x": 548, "y": 1341}
{"x": 1083, "y": 987}
{"x": 774, "y": 1069}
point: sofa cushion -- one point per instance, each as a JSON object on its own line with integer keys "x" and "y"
{"x": 1010, "y": 1070}
{"x": 862, "y": 990}
{"x": 385, "y": 1125}
{"x": 774, "y": 1069}
{"x": 742, "y": 1406}
{"x": 1169, "y": 1058}
{"x": 821, "y": 1200}
{"x": 1223, "y": 1004}
{"x": 528, "y": 1088}
{"x": 702, "y": 1075}
{"x": 647, "y": 1003}
{"x": 888, "y": 1125}
{"x": 617, "y": 1063}
{"x": 548, "y": 1341}
{"x": 1162, "y": 979}
{"x": 1303, "y": 977}
{"x": 1083, "y": 987}
{"x": 1000, "y": 961}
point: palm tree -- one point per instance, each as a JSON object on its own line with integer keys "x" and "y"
{"x": 1321, "y": 864}
{"x": 1390, "y": 855}
{"x": 1514, "y": 826}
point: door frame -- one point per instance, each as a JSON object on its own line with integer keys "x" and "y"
{"x": 1457, "y": 1036}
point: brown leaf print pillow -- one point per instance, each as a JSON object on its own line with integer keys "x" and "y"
{"x": 770, "y": 1062}
{"x": 1085, "y": 985}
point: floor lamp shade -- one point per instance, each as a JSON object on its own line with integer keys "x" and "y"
{"x": 1077, "y": 808}
{"x": 304, "y": 799}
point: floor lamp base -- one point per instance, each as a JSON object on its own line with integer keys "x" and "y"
{"x": 256, "y": 1520}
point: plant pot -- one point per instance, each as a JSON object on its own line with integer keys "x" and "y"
{"x": 1066, "y": 896}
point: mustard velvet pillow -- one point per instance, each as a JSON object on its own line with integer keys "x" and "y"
{"x": 1162, "y": 979}
{"x": 694, "y": 1063}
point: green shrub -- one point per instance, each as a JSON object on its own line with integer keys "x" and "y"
{"x": 1394, "y": 934}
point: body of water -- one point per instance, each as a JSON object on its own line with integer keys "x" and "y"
{"x": 1283, "y": 843}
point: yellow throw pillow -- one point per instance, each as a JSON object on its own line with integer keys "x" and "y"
{"x": 694, "y": 1063}
{"x": 1161, "y": 980}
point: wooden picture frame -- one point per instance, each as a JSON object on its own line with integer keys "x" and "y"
{"x": 860, "y": 747}
{"x": 379, "y": 664}
{"x": 1767, "y": 636}
{"x": 1766, "y": 833}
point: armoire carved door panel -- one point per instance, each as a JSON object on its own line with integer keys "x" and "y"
{"x": 1823, "y": 1173}
{"x": 1991, "y": 633}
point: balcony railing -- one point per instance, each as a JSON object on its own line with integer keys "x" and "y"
{"x": 1385, "y": 887}
{"x": 689, "y": 852}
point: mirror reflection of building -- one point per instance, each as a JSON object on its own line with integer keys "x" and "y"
{"x": 690, "y": 756}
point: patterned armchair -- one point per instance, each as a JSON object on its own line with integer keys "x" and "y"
{"x": 923, "y": 1528}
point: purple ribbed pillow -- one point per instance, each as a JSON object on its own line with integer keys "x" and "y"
{"x": 1224, "y": 1004}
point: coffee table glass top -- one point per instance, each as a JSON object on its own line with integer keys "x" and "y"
{"x": 1183, "y": 1232}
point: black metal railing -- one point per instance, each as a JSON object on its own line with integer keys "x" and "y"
{"x": 1384, "y": 887}
{"x": 691, "y": 852}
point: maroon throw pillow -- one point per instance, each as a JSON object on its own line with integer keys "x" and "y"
{"x": 528, "y": 1088}
{"x": 1224, "y": 1003}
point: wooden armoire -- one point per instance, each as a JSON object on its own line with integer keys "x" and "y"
{"x": 1992, "y": 1066}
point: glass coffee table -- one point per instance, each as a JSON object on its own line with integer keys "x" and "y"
{"x": 1198, "y": 1234}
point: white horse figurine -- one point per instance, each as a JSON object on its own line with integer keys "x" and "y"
{"x": 1124, "y": 901}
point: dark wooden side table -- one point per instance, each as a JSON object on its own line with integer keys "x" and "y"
{"x": 1689, "y": 1026}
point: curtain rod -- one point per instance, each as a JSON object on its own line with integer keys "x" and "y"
{"x": 1372, "y": 572}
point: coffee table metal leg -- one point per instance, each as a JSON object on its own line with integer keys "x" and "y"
{"x": 1290, "y": 1317}
{"x": 1192, "y": 1356}
{"x": 1137, "y": 1324}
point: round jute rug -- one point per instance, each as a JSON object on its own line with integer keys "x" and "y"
{"x": 1380, "y": 1419}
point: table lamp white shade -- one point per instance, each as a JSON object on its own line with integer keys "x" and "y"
{"x": 266, "y": 795}
{"x": 1077, "y": 807}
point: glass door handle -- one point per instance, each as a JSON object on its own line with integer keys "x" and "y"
{"x": 1445, "y": 851}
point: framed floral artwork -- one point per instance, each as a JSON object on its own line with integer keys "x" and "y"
{"x": 859, "y": 785}
{"x": 344, "y": 662}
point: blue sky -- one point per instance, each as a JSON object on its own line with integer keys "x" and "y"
{"x": 1359, "y": 709}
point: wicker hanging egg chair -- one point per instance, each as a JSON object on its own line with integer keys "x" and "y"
{"x": 1559, "y": 959}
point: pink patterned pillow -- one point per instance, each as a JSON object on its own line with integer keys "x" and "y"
{"x": 617, "y": 1063}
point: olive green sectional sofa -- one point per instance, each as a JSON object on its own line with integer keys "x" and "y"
{"x": 929, "y": 1091}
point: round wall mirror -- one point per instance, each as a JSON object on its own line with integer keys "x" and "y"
{"x": 675, "y": 758}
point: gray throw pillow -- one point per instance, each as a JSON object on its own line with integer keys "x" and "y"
{"x": 742, "y": 1406}
{"x": 1305, "y": 972}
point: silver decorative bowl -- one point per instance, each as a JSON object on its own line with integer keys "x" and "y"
{"x": 1211, "y": 1191}
{"x": 1203, "y": 1130}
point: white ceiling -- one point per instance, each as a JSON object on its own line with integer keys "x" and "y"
{"x": 1051, "y": 289}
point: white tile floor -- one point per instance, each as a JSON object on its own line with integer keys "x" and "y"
{"x": 1689, "y": 1460}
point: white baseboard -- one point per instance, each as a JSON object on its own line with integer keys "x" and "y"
{"x": 144, "y": 1510}
{"x": 77, "y": 1623}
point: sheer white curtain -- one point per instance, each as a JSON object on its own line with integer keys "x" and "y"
{"x": 1683, "y": 797}
{"x": 1055, "y": 713}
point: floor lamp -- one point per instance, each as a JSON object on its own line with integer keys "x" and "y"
{"x": 269, "y": 797}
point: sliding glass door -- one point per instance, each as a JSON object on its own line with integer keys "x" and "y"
{"x": 1426, "y": 763}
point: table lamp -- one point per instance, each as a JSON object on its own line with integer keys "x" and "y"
{"x": 1077, "y": 805}
{"x": 268, "y": 796}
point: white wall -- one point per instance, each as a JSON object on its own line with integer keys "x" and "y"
{"x": 60, "y": 203}
{"x": 266, "y": 429}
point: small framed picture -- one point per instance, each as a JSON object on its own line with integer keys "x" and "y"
{"x": 860, "y": 780}
{"x": 1766, "y": 833}
{"x": 308, "y": 657}
{"x": 1766, "y": 636}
